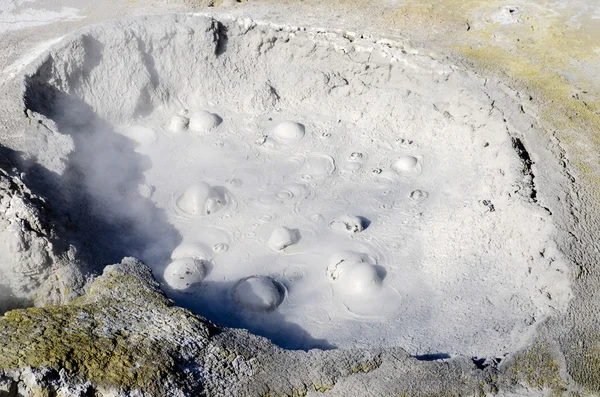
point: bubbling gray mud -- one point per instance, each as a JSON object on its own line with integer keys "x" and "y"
{"x": 314, "y": 190}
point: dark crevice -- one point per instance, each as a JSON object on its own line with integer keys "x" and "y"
{"x": 527, "y": 165}
{"x": 433, "y": 356}
{"x": 221, "y": 39}
{"x": 483, "y": 363}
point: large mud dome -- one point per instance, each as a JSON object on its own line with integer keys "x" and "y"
{"x": 316, "y": 188}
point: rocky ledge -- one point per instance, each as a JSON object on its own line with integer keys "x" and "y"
{"x": 124, "y": 337}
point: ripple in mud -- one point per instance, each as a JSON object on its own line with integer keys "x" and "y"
{"x": 201, "y": 199}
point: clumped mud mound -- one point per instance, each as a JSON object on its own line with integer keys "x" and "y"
{"x": 320, "y": 190}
